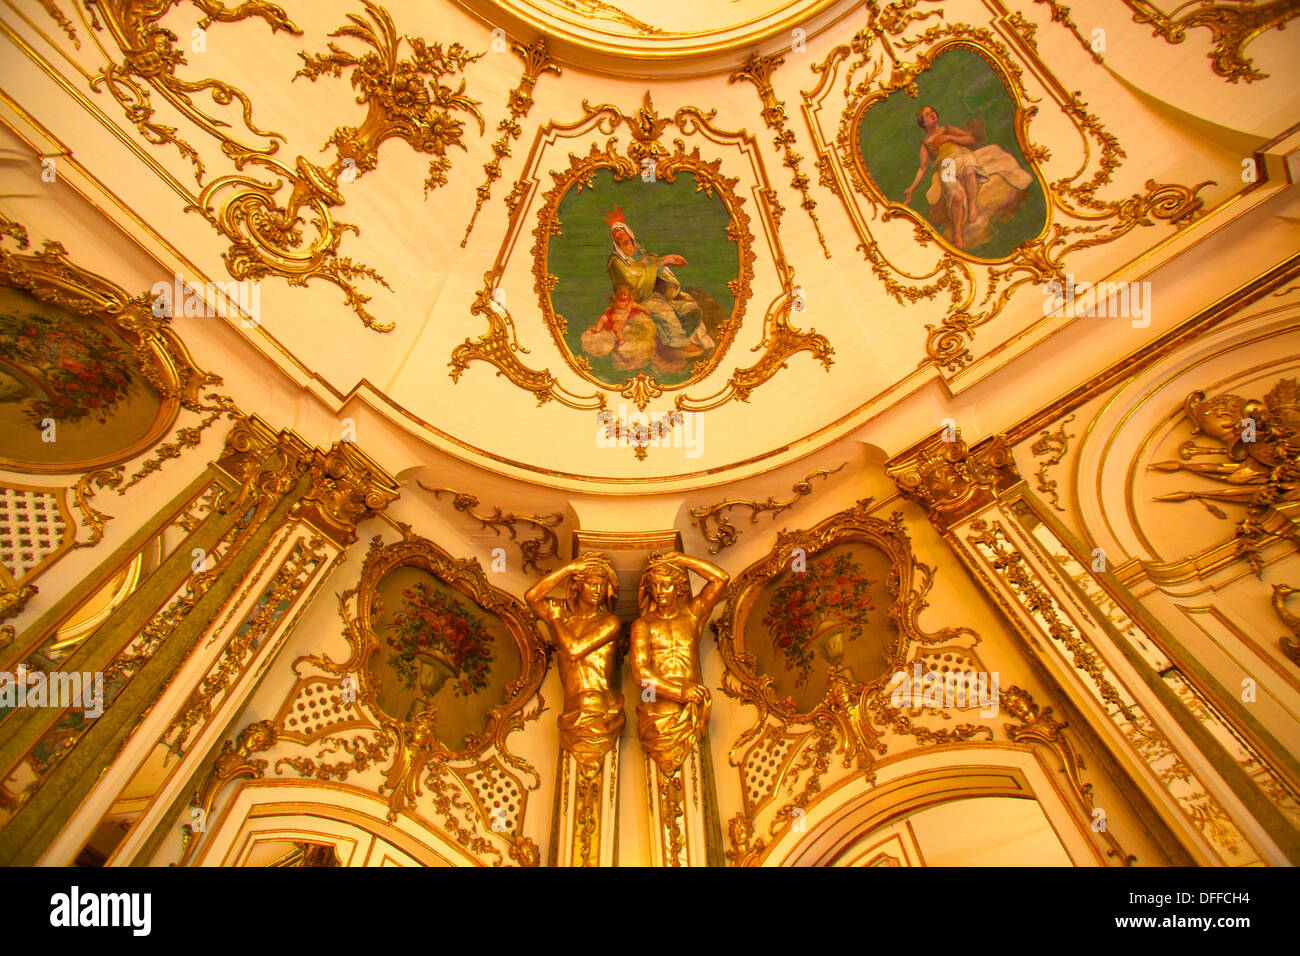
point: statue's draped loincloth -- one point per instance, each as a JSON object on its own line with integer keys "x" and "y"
{"x": 591, "y": 725}
{"x": 668, "y": 730}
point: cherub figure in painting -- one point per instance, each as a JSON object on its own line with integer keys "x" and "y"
{"x": 973, "y": 186}
{"x": 655, "y": 302}
{"x": 625, "y": 331}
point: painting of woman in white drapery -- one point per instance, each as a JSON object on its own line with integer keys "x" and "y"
{"x": 974, "y": 186}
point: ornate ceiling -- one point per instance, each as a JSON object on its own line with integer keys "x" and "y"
{"x": 423, "y": 194}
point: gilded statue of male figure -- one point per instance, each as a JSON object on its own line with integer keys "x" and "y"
{"x": 585, "y": 633}
{"x": 673, "y": 709}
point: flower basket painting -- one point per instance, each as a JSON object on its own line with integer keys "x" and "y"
{"x": 439, "y": 650}
{"x": 832, "y": 614}
{"x": 437, "y": 638}
{"x": 63, "y": 371}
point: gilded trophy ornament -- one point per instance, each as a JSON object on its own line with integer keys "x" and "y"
{"x": 1255, "y": 462}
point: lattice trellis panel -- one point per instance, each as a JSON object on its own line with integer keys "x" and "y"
{"x": 764, "y": 763}
{"x": 32, "y": 527}
{"x": 498, "y": 793}
{"x": 317, "y": 708}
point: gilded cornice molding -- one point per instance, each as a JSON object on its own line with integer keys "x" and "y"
{"x": 950, "y": 480}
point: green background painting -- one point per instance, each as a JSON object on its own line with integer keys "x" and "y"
{"x": 666, "y": 218}
{"x": 960, "y": 85}
{"x": 457, "y": 717}
{"x": 38, "y": 369}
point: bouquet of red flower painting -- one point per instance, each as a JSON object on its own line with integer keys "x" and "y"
{"x": 435, "y": 631}
{"x": 831, "y": 596}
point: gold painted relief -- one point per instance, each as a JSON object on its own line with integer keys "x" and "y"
{"x": 976, "y": 189}
{"x": 1254, "y": 463}
{"x": 616, "y": 292}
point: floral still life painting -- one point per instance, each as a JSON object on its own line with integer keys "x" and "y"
{"x": 440, "y": 651}
{"x": 818, "y": 612}
{"x": 71, "y": 373}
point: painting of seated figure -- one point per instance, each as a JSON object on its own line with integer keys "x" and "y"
{"x": 644, "y": 272}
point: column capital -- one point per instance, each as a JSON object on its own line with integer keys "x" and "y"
{"x": 949, "y": 478}
{"x": 347, "y": 486}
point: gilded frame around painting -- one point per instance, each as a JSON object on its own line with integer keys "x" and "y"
{"x": 886, "y": 57}
{"x": 863, "y": 181}
{"x": 499, "y": 344}
{"x": 416, "y": 737}
{"x": 908, "y": 582}
{"x": 666, "y": 167}
{"x": 161, "y": 357}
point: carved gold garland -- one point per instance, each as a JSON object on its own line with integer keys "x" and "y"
{"x": 875, "y": 70}
{"x": 265, "y": 236}
{"x": 499, "y": 345}
{"x": 758, "y": 70}
{"x": 150, "y": 61}
{"x": 725, "y": 534}
{"x": 531, "y": 550}
{"x": 536, "y": 62}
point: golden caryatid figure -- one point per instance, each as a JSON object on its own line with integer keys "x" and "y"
{"x": 673, "y": 710}
{"x": 585, "y": 633}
